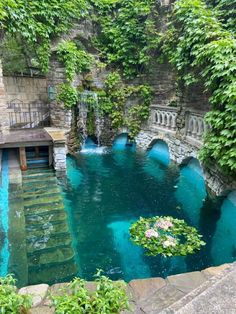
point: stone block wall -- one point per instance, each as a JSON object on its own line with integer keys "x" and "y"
{"x": 25, "y": 89}
{"x": 4, "y": 118}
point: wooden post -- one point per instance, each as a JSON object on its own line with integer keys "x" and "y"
{"x": 36, "y": 151}
{"x": 50, "y": 156}
{"x": 23, "y": 162}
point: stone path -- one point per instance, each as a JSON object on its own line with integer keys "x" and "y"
{"x": 209, "y": 291}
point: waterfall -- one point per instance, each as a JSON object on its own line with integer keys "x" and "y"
{"x": 89, "y": 101}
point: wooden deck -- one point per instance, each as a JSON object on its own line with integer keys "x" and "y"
{"x": 26, "y": 138}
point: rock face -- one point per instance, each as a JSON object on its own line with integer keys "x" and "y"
{"x": 38, "y": 293}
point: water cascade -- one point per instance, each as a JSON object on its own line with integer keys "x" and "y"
{"x": 89, "y": 101}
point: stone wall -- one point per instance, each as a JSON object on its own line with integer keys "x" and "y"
{"x": 181, "y": 150}
{"x": 4, "y": 118}
{"x": 25, "y": 89}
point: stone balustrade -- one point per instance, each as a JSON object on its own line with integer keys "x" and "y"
{"x": 165, "y": 118}
{"x": 195, "y": 125}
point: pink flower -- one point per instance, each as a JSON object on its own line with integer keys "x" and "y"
{"x": 151, "y": 233}
{"x": 164, "y": 224}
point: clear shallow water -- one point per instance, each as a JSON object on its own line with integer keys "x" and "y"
{"x": 106, "y": 192}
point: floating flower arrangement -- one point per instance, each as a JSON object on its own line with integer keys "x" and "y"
{"x": 167, "y": 236}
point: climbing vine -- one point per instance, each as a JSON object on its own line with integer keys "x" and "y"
{"x": 68, "y": 95}
{"x": 75, "y": 59}
{"x": 38, "y": 22}
{"x": 117, "y": 99}
{"x": 128, "y": 37}
{"x": 202, "y": 49}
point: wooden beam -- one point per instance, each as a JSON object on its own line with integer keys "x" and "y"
{"x": 23, "y": 162}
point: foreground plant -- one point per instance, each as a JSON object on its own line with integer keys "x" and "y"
{"x": 10, "y": 300}
{"x": 109, "y": 297}
{"x": 166, "y": 236}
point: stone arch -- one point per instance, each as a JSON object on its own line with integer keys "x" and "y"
{"x": 195, "y": 163}
{"x": 159, "y": 149}
{"x": 155, "y": 141}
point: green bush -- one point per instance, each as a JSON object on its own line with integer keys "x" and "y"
{"x": 10, "y": 301}
{"x": 108, "y": 298}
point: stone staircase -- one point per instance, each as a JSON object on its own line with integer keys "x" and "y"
{"x": 49, "y": 245}
{"x": 210, "y": 291}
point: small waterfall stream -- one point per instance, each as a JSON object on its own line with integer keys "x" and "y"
{"x": 89, "y": 101}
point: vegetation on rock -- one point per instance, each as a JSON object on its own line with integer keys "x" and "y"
{"x": 108, "y": 298}
{"x": 10, "y": 300}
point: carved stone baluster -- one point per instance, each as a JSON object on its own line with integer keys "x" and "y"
{"x": 168, "y": 120}
{"x": 173, "y": 122}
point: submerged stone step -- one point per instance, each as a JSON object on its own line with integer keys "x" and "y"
{"x": 41, "y": 176}
{"x": 36, "y": 181}
{"x": 52, "y": 273}
{"x": 56, "y": 256}
{"x": 42, "y": 199}
{"x": 46, "y": 226}
{"x": 39, "y": 219}
{"x": 47, "y": 243}
{"x": 44, "y": 210}
{"x": 29, "y": 186}
{"x": 41, "y": 170}
{"x": 46, "y": 230}
{"x": 39, "y": 192}
{"x": 39, "y": 208}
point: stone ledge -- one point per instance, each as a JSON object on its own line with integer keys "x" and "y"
{"x": 152, "y": 295}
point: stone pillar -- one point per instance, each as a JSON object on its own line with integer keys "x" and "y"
{"x": 59, "y": 156}
{"x": 4, "y": 118}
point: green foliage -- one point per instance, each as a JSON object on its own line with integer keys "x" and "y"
{"x": 202, "y": 49}
{"x": 128, "y": 35}
{"x": 12, "y": 56}
{"x": 38, "y": 22}
{"x": 76, "y": 60}
{"x": 166, "y": 236}
{"x": 114, "y": 101}
{"x": 10, "y": 301}
{"x": 68, "y": 95}
{"x": 108, "y": 298}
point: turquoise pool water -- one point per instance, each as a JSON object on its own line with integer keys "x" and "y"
{"x": 104, "y": 192}
{"x": 107, "y": 190}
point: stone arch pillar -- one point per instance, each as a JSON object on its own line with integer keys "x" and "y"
{"x": 4, "y": 117}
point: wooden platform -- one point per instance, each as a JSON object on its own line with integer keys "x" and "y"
{"x": 26, "y": 138}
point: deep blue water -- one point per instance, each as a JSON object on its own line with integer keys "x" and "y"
{"x": 107, "y": 190}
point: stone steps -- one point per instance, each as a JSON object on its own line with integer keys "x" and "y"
{"x": 48, "y": 240}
